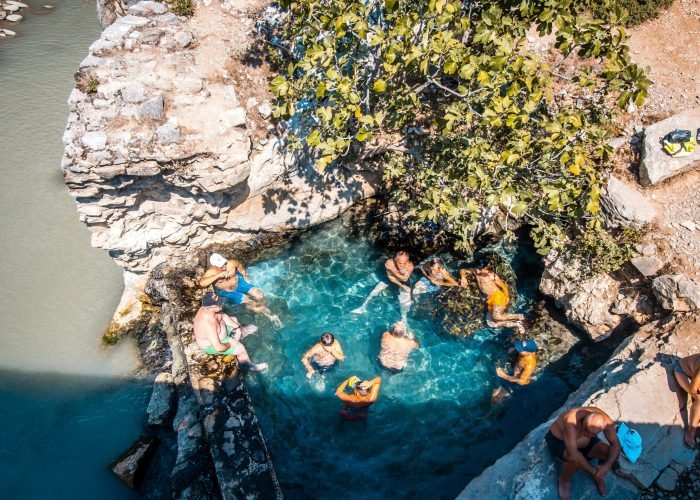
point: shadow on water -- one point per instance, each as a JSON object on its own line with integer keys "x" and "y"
{"x": 59, "y": 433}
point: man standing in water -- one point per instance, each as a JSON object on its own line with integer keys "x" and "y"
{"x": 573, "y": 439}
{"x": 364, "y": 395}
{"x": 497, "y": 300}
{"x": 687, "y": 374}
{"x": 324, "y": 354}
{"x": 230, "y": 280}
{"x": 213, "y": 329}
{"x": 399, "y": 269}
{"x": 522, "y": 374}
{"x": 397, "y": 344}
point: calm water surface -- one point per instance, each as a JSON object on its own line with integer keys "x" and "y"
{"x": 432, "y": 428}
{"x": 67, "y": 406}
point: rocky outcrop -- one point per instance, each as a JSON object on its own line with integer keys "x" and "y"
{"x": 656, "y": 165}
{"x": 596, "y": 304}
{"x": 162, "y": 156}
{"x": 623, "y": 205}
{"x": 638, "y": 373}
{"x": 131, "y": 466}
{"x": 677, "y": 292}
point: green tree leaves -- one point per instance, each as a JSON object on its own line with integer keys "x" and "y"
{"x": 484, "y": 124}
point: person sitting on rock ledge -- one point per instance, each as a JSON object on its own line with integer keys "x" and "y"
{"x": 687, "y": 373}
{"x": 230, "y": 280}
{"x": 497, "y": 295}
{"x": 213, "y": 329}
{"x": 397, "y": 344}
{"x": 573, "y": 439}
{"x": 364, "y": 394}
{"x": 399, "y": 269}
{"x": 324, "y": 354}
{"x": 525, "y": 367}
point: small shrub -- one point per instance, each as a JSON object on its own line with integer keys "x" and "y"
{"x": 182, "y": 7}
{"x": 92, "y": 84}
{"x": 640, "y": 10}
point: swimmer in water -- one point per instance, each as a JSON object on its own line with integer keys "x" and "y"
{"x": 323, "y": 354}
{"x": 364, "y": 394}
{"x": 524, "y": 368}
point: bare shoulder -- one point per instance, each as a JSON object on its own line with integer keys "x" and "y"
{"x": 389, "y": 264}
{"x": 592, "y": 409}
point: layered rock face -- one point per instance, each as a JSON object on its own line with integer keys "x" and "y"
{"x": 635, "y": 386}
{"x": 162, "y": 155}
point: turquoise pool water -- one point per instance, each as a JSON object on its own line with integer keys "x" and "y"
{"x": 433, "y": 427}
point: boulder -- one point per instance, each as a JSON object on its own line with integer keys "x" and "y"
{"x": 656, "y": 165}
{"x": 677, "y": 292}
{"x": 624, "y": 205}
{"x": 161, "y": 405}
{"x": 169, "y": 133}
{"x": 13, "y": 18}
{"x": 132, "y": 465}
{"x": 647, "y": 265}
{"x": 147, "y": 8}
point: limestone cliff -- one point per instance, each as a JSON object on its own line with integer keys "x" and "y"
{"x": 167, "y": 146}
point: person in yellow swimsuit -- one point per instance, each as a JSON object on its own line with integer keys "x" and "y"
{"x": 497, "y": 298}
{"x": 364, "y": 394}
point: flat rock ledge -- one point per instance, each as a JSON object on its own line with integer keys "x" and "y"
{"x": 635, "y": 386}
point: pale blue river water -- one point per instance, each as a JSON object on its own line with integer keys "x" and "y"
{"x": 68, "y": 407}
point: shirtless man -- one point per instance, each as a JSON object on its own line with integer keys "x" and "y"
{"x": 573, "y": 439}
{"x": 324, "y": 354}
{"x": 230, "y": 280}
{"x": 397, "y": 344}
{"x": 497, "y": 295}
{"x": 364, "y": 395}
{"x": 438, "y": 276}
{"x": 687, "y": 373}
{"x": 399, "y": 269}
{"x": 522, "y": 374}
{"x": 213, "y": 329}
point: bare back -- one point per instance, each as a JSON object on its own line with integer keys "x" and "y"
{"x": 691, "y": 365}
{"x": 572, "y": 421}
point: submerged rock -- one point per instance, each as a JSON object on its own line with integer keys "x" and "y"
{"x": 132, "y": 465}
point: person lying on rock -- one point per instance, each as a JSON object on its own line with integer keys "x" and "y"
{"x": 524, "y": 368}
{"x": 213, "y": 329}
{"x": 399, "y": 269}
{"x": 436, "y": 275}
{"x": 573, "y": 439}
{"x": 397, "y": 344}
{"x": 230, "y": 280}
{"x": 323, "y": 354}
{"x": 364, "y": 394}
{"x": 497, "y": 299}
{"x": 687, "y": 373}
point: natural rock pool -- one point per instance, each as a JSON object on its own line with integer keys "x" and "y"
{"x": 433, "y": 427}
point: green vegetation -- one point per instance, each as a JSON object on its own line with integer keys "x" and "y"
{"x": 182, "y": 7}
{"x": 91, "y": 85}
{"x": 638, "y": 10}
{"x": 446, "y": 100}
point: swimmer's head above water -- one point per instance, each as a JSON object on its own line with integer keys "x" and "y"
{"x": 327, "y": 339}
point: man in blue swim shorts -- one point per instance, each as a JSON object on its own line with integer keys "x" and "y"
{"x": 230, "y": 281}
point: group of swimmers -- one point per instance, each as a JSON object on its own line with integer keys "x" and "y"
{"x": 572, "y": 438}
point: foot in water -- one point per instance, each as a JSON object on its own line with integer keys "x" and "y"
{"x": 257, "y": 367}
{"x": 276, "y": 321}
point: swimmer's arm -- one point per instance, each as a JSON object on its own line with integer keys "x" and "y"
{"x": 574, "y": 453}
{"x": 305, "y": 360}
{"x": 338, "y": 351}
{"x": 238, "y": 266}
{"x": 408, "y": 272}
{"x": 340, "y": 392}
{"x": 463, "y": 276}
{"x": 394, "y": 277}
{"x": 234, "y": 324}
{"x": 376, "y": 384}
{"x": 211, "y": 275}
{"x": 448, "y": 280}
{"x": 500, "y": 284}
{"x": 501, "y": 373}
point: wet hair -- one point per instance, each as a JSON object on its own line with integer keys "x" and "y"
{"x": 396, "y": 333}
{"x": 401, "y": 253}
{"x": 437, "y": 262}
{"x": 362, "y": 387}
{"x": 327, "y": 338}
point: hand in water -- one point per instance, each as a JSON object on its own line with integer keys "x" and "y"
{"x": 310, "y": 375}
{"x": 501, "y": 372}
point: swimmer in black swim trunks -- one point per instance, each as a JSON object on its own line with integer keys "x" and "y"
{"x": 573, "y": 439}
